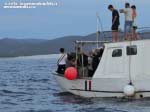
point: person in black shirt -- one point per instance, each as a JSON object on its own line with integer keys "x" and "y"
{"x": 115, "y": 23}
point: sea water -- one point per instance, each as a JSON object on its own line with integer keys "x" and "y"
{"x": 27, "y": 85}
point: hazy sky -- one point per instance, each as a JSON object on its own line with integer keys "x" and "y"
{"x": 70, "y": 17}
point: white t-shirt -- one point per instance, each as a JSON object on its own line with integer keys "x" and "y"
{"x": 128, "y": 14}
{"x": 62, "y": 59}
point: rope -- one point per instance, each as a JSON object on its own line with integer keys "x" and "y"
{"x": 130, "y": 77}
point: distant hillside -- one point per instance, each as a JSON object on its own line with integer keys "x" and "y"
{"x": 28, "y": 47}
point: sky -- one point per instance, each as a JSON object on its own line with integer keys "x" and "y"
{"x": 69, "y": 17}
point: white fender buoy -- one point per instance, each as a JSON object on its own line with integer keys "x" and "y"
{"x": 129, "y": 90}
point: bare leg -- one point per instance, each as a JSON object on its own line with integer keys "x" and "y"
{"x": 126, "y": 36}
{"x": 113, "y": 36}
{"x": 117, "y": 36}
{"x": 129, "y": 36}
{"x": 133, "y": 36}
{"x": 138, "y": 36}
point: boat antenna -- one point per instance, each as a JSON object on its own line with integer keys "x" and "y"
{"x": 99, "y": 22}
{"x": 98, "y": 32}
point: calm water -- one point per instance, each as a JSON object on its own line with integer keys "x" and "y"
{"x": 27, "y": 85}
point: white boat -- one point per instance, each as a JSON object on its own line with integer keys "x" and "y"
{"x": 124, "y": 71}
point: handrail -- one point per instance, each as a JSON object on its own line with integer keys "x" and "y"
{"x": 91, "y": 42}
{"x": 140, "y": 31}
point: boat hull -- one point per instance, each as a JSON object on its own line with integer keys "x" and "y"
{"x": 101, "y": 87}
{"x": 86, "y": 87}
{"x": 122, "y": 64}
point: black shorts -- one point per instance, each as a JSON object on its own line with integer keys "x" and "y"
{"x": 135, "y": 27}
{"x": 114, "y": 27}
{"x": 61, "y": 69}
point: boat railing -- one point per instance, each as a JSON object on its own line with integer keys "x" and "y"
{"x": 142, "y": 32}
{"x": 90, "y": 42}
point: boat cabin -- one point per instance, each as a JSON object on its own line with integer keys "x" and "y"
{"x": 119, "y": 59}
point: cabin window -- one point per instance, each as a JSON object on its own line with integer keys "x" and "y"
{"x": 117, "y": 53}
{"x": 132, "y": 50}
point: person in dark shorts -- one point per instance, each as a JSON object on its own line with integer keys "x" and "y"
{"x": 134, "y": 17}
{"x": 115, "y": 23}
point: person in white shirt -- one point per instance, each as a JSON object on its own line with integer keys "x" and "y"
{"x": 128, "y": 21}
{"x": 61, "y": 61}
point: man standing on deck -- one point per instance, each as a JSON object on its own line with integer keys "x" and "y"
{"x": 115, "y": 23}
{"x": 128, "y": 21}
